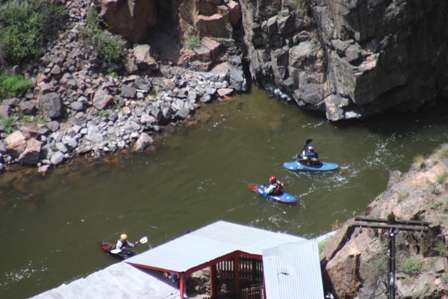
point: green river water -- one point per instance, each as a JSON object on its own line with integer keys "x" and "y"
{"x": 50, "y": 226}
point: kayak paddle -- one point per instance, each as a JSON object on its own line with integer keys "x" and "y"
{"x": 252, "y": 187}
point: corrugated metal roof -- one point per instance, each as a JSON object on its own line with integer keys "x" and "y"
{"x": 208, "y": 243}
{"x": 292, "y": 271}
{"x": 119, "y": 281}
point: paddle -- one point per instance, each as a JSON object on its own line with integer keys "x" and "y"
{"x": 143, "y": 240}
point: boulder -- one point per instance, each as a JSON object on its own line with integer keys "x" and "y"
{"x": 132, "y": 19}
{"x": 128, "y": 92}
{"x": 28, "y": 107}
{"x": 209, "y": 50}
{"x": 31, "y": 155}
{"x": 15, "y": 143}
{"x": 51, "y": 105}
{"x": 143, "y": 58}
{"x": 102, "y": 99}
{"x": 56, "y": 158}
{"x": 215, "y": 25}
{"x": 143, "y": 141}
{"x": 223, "y": 92}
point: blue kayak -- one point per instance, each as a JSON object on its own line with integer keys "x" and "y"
{"x": 323, "y": 166}
{"x": 283, "y": 197}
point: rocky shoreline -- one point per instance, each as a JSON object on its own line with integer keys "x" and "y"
{"x": 355, "y": 260}
{"x": 76, "y": 108}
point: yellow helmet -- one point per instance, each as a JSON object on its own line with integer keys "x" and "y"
{"x": 123, "y": 237}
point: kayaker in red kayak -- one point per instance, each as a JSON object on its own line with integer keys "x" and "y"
{"x": 275, "y": 186}
{"x": 123, "y": 243}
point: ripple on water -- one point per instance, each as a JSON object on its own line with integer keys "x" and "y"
{"x": 13, "y": 277}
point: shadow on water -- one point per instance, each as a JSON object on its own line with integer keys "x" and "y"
{"x": 50, "y": 226}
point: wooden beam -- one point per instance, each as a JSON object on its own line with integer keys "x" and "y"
{"x": 213, "y": 280}
{"x": 182, "y": 286}
{"x": 236, "y": 273}
{"x": 405, "y": 222}
{"x": 390, "y": 226}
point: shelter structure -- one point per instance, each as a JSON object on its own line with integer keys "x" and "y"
{"x": 240, "y": 262}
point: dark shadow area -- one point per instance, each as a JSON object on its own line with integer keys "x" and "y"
{"x": 164, "y": 38}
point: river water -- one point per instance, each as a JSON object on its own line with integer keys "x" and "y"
{"x": 50, "y": 226}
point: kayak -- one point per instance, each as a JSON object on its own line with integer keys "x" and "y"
{"x": 323, "y": 166}
{"x": 284, "y": 197}
{"x": 122, "y": 255}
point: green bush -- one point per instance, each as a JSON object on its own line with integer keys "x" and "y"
{"x": 412, "y": 265}
{"x": 26, "y": 26}
{"x": 12, "y": 85}
{"x": 192, "y": 41}
{"x": 109, "y": 47}
{"x": 8, "y": 123}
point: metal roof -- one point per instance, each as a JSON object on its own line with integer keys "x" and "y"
{"x": 209, "y": 243}
{"x": 119, "y": 281}
{"x": 292, "y": 271}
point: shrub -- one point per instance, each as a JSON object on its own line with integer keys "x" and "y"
{"x": 8, "y": 123}
{"x": 440, "y": 248}
{"x": 109, "y": 47}
{"x": 412, "y": 265}
{"x": 192, "y": 41}
{"x": 12, "y": 85}
{"x": 26, "y": 26}
{"x": 442, "y": 178}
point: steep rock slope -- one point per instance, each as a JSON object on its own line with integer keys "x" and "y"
{"x": 356, "y": 259}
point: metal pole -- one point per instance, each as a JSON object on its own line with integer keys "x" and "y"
{"x": 392, "y": 263}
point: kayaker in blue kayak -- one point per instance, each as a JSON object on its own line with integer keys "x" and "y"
{"x": 309, "y": 156}
{"x": 275, "y": 186}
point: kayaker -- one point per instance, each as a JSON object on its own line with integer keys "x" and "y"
{"x": 123, "y": 243}
{"x": 275, "y": 186}
{"x": 309, "y": 154}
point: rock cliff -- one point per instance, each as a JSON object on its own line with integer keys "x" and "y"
{"x": 349, "y": 58}
{"x": 355, "y": 260}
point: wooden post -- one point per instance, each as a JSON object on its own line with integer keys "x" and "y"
{"x": 182, "y": 284}
{"x": 213, "y": 278}
{"x": 236, "y": 274}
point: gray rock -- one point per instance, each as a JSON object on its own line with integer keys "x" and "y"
{"x": 94, "y": 135}
{"x": 52, "y": 126}
{"x": 77, "y": 106}
{"x": 61, "y": 147}
{"x": 143, "y": 141}
{"x": 128, "y": 92}
{"x": 102, "y": 99}
{"x": 43, "y": 169}
{"x": 31, "y": 155}
{"x": 28, "y": 107}
{"x": 56, "y": 158}
{"x": 70, "y": 142}
{"x": 206, "y": 98}
{"x": 51, "y": 105}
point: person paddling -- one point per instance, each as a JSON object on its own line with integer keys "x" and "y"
{"x": 309, "y": 155}
{"x": 123, "y": 243}
{"x": 275, "y": 186}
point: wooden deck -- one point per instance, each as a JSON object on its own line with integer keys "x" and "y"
{"x": 118, "y": 281}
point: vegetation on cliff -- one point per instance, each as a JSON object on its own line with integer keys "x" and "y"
{"x": 109, "y": 47}
{"x": 12, "y": 85}
{"x": 26, "y": 27}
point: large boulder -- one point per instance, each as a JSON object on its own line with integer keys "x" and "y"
{"x": 216, "y": 25}
{"x": 143, "y": 58}
{"x": 51, "y": 105}
{"x": 132, "y": 19}
{"x": 102, "y": 99}
{"x": 143, "y": 141}
{"x": 32, "y": 152}
{"x": 15, "y": 143}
